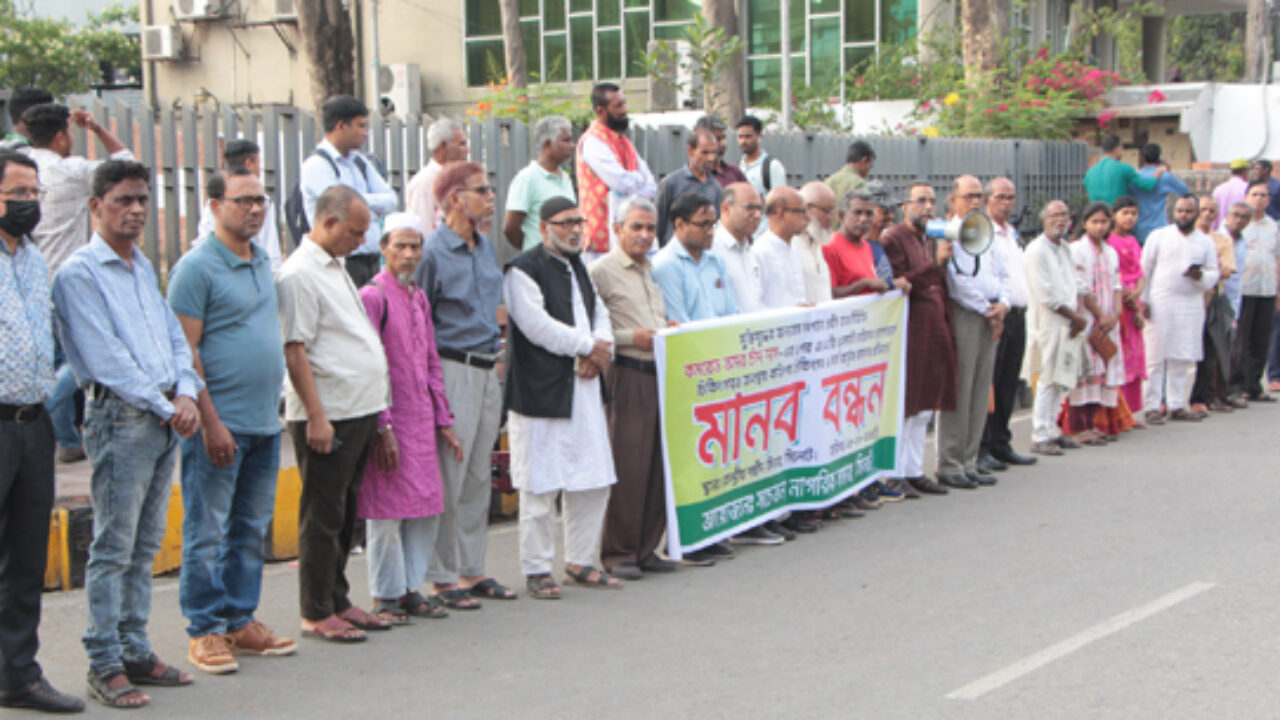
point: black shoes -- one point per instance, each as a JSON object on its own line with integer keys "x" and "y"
{"x": 981, "y": 478}
{"x": 989, "y": 463}
{"x": 43, "y": 697}
{"x": 1012, "y": 458}
{"x": 959, "y": 481}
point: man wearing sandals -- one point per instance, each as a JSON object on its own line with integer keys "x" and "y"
{"x": 561, "y": 343}
{"x": 128, "y": 351}
{"x": 337, "y": 389}
{"x": 223, "y": 294}
{"x": 401, "y": 498}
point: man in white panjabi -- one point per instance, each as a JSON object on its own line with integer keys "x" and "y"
{"x": 561, "y": 342}
{"x": 1055, "y": 343}
{"x": 1180, "y": 264}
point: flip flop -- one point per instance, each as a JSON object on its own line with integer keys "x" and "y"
{"x": 363, "y": 620}
{"x": 491, "y": 589}
{"x": 456, "y": 599}
{"x": 336, "y": 630}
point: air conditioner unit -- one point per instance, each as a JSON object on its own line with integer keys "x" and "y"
{"x": 197, "y": 9}
{"x": 688, "y": 81}
{"x": 284, "y": 11}
{"x": 400, "y": 89}
{"x": 161, "y": 42}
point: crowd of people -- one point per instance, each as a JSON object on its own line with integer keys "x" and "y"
{"x": 382, "y": 326}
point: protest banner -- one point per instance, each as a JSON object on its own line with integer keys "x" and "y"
{"x": 779, "y": 410}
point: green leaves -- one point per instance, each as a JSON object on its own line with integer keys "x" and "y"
{"x": 54, "y": 54}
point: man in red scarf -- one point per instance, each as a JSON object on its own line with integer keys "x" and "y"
{"x": 608, "y": 169}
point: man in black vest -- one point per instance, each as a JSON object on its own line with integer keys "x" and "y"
{"x": 560, "y": 343}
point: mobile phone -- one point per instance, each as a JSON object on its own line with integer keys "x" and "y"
{"x": 334, "y": 444}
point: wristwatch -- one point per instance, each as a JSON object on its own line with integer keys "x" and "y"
{"x": 385, "y": 429}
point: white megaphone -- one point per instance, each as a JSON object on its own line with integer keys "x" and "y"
{"x": 973, "y": 232}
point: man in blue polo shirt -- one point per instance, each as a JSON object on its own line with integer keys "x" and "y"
{"x": 225, "y": 299}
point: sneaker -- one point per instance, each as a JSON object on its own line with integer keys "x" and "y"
{"x": 780, "y": 530}
{"x": 870, "y": 496}
{"x": 258, "y": 639}
{"x": 757, "y": 536}
{"x": 212, "y": 654}
{"x": 886, "y": 493}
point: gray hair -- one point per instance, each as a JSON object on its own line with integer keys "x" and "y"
{"x": 548, "y": 129}
{"x": 991, "y": 184}
{"x": 635, "y": 202}
{"x": 440, "y": 132}
{"x": 1044, "y": 211}
{"x": 855, "y": 194}
{"x": 336, "y": 201}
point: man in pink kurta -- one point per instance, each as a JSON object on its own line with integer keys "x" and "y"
{"x": 401, "y": 497}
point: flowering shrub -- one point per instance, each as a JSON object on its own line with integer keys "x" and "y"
{"x": 529, "y": 104}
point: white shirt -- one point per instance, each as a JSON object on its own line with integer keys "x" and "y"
{"x": 781, "y": 279}
{"x": 1005, "y": 242}
{"x": 977, "y": 282}
{"x": 320, "y": 308}
{"x": 1176, "y": 301}
{"x": 420, "y": 197}
{"x": 740, "y": 265}
{"x": 64, "y": 212}
{"x": 1262, "y": 248}
{"x": 817, "y": 275}
{"x": 622, "y": 183}
{"x": 268, "y": 238}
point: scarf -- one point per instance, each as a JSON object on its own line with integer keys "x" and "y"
{"x": 593, "y": 192}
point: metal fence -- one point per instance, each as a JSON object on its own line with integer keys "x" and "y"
{"x": 184, "y": 146}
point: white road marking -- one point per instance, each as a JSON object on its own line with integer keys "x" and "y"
{"x": 1035, "y": 661}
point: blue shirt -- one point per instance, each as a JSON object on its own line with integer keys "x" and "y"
{"x": 241, "y": 348}
{"x": 693, "y": 289}
{"x": 117, "y": 330}
{"x": 1273, "y": 208}
{"x": 317, "y": 176}
{"x": 26, "y": 326}
{"x": 464, "y": 287}
{"x": 1151, "y": 203}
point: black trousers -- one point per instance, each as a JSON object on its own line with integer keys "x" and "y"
{"x": 996, "y": 436}
{"x": 362, "y": 268}
{"x": 327, "y": 513}
{"x": 1253, "y": 340}
{"x": 1210, "y": 381}
{"x": 26, "y": 498}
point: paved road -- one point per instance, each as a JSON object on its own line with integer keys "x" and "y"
{"x": 1133, "y": 581}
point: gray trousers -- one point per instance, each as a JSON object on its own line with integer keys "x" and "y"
{"x": 399, "y": 552}
{"x": 960, "y": 430}
{"x": 475, "y": 397}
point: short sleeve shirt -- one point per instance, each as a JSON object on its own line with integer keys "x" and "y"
{"x": 240, "y": 344}
{"x": 849, "y": 262}
{"x": 1262, "y": 248}
{"x": 530, "y": 188}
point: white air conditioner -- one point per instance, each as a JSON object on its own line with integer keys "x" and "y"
{"x": 400, "y": 89}
{"x": 197, "y": 9}
{"x": 161, "y": 42}
{"x": 688, "y": 81}
{"x": 284, "y": 11}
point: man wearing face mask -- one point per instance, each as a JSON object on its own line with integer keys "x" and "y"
{"x": 26, "y": 441}
{"x": 608, "y": 168}
{"x": 561, "y": 344}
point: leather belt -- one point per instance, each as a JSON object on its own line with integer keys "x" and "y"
{"x": 484, "y": 362}
{"x": 99, "y": 392}
{"x": 644, "y": 366}
{"x": 21, "y": 414}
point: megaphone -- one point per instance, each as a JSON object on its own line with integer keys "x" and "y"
{"x": 973, "y": 232}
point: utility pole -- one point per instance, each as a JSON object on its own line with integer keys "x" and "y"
{"x": 1257, "y": 55}
{"x": 785, "y": 24}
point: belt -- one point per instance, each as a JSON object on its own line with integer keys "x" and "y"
{"x": 484, "y": 362}
{"x": 644, "y": 366}
{"x": 21, "y": 414}
{"x": 99, "y": 392}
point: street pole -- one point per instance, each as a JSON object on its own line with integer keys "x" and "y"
{"x": 377, "y": 61}
{"x": 786, "y": 64}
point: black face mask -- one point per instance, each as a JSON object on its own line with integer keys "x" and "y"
{"x": 20, "y": 217}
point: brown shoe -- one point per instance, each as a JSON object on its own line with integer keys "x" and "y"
{"x": 212, "y": 654}
{"x": 903, "y": 487}
{"x": 258, "y": 639}
{"x": 926, "y": 485}
{"x": 70, "y": 455}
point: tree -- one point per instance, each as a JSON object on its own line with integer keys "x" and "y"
{"x": 329, "y": 44}
{"x": 1207, "y": 47}
{"x": 513, "y": 44}
{"x": 982, "y": 28}
{"x": 730, "y": 101}
{"x": 53, "y": 54}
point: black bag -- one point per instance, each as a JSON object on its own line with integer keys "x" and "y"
{"x": 295, "y": 208}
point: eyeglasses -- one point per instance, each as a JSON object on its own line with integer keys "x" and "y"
{"x": 1004, "y": 198}
{"x": 798, "y": 210}
{"x": 482, "y": 189}
{"x": 246, "y": 202}
{"x": 705, "y": 224}
{"x": 753, "y": 207}
{"x": 25, "y": 193}
{"x": 568, "y": 222}
{"x": 971, "y": 196}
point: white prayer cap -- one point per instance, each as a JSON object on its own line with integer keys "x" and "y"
{"x": 400, "y": 220}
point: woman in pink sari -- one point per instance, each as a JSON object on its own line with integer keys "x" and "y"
{"x": 1130, "y": 254}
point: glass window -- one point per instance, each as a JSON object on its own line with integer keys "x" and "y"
{"x": 582, "y": 39}
{"x": 860, "y": 20}
{"x": 824, "y": 6}
{"x": 484, "y": 62}
{"x": 855, "y": 56}
{"x": 675, "y": 9}
{"x": 764, "y": 75}
{"x": 553, "y": 16}
{"x": 824, "y": 53}
{"x": 553, "y": 48}
{"x": 483, "y": 18}
{"x": 797, "y": 72}
{"x": 636, "y": 4}
{"x": 607, "y": 13}
{"x": 670, "y": 32}
{"x": 898, "y": 21}
{"x": 636, "y": 26}
{"x": 579, "y": 5}
{"x": 763, "y": 33}
{"x": 797, "y": 25}
{"x": 610, "y": 63}
{"x": 532, "y": 35}
{"x": 528, "y": 8}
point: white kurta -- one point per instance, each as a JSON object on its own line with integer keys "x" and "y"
{"x": 1176, "y": 331}
{"x": 549, "y": 454}
{"x": 1052, "y": 283}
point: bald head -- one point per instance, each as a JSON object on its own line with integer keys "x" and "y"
{"x": 966, "y": 195}
{"x": 816, "y": 191}
{"x": 1001, "y": 199}
{"x": 740, "y": 210}
{"x": 785, "y": 208}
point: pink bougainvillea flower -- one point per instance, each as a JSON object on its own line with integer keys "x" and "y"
{"x": 1003, "y": 107}
{"x": 1156, "y": 97}
{"x": 1104, "y": 120}
{"x": 1042, "y": 53}
{"x": 988, "y": 111}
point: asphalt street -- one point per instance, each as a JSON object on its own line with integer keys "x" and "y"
{"x": 1132, "y": 581}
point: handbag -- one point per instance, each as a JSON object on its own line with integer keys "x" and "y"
{"x": 1102, "y": 344}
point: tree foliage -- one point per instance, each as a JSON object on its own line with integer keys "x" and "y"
{"x": 1207, "y": 47}
{"x": 52, "y": 53}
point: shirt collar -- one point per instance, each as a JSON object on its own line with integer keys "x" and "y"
{"x": 332, "y": 150}
{"x": 725, "y": 240}
{"x": 233, "y": 260}
{"x": 102, "y": 252}
{"x": 550, "y": 175}
{"x": 680, "y": 251}
{"x": 625, "y": 260}
{"x": 454, "y": 241}
{"x": 318, "y": 254}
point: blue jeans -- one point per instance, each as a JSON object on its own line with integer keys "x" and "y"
{"x": 61, "y": 403}
{"x": 132, "y": 454}
{"x": 227, "y": 513}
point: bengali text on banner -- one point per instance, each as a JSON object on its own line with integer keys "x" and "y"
{"x": 775, "y": 411}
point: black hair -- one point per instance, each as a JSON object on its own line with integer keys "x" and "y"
{"x": 216, "y": 186}
{"x": 113, "y": 172}
{"x": 858, "y": 151}
{"x": 696, "y": 135}
{"x": 711, "y": 122}
{"x": 238, "y": 151}
{"x": 752, "y": 122}
{"x": 1122, "y": 202}
{"x": 688, "y": 204}
{"x": 600, "y": 94}
{"x": 1111, "y": 143}
{"x": 340, "y": 109}
{"x": 26, "y": 97}
{"x": 44, "y": 122}
{"x": 16, "y": 158}
{"x": 1151, "y": 153}
{"x": 1264, "y": 163}
{"x": 1262, "y": 183}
